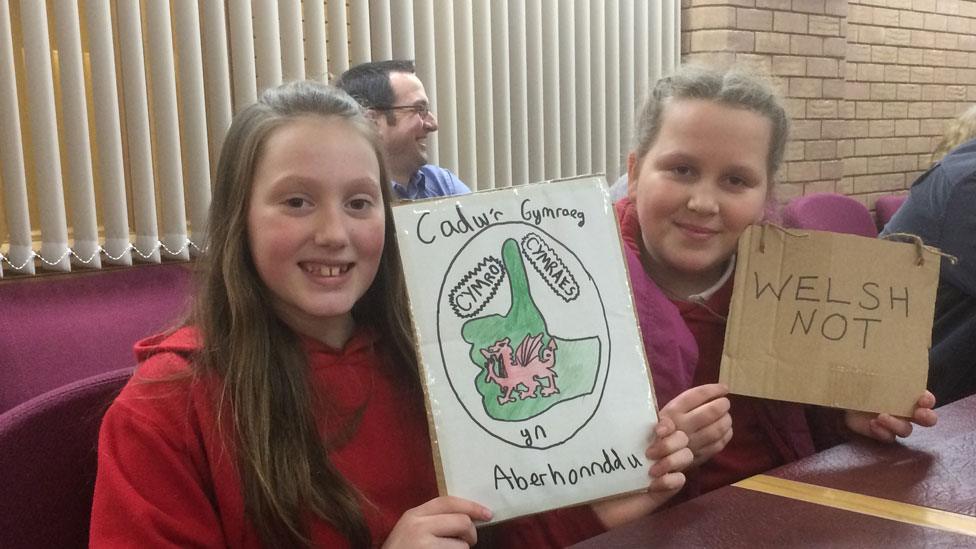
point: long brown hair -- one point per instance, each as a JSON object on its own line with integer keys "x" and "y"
{"x": 285, "y": 472}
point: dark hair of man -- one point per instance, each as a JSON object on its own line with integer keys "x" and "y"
{"x": 369, "y": 83}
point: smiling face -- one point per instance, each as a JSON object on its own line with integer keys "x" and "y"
{"x": 316, "y": 223}
{"x": 404, "y": 132}
{"x": 703, "y": 181}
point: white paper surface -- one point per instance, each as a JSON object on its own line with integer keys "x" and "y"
{"x": 537, "y": 382}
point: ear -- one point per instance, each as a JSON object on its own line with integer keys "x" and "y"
{"x": 632, "y": 173}
{"x": 373, "y": 115}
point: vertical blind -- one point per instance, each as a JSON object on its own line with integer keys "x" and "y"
{"x": 112, "y": 112}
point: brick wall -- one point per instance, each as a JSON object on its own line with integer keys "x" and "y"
{"x": 869, "y": 84}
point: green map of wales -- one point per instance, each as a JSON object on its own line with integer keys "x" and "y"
{"x": 523, "y": 369}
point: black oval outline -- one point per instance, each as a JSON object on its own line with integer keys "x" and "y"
{"x": 467, "y": 277}
{"x": 603, "y": 308}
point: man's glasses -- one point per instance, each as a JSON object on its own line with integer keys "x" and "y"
{"x": 421, "y": 110}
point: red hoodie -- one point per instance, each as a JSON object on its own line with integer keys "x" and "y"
{"x": 165, "y": 478}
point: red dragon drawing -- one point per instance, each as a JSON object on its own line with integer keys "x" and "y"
{"x": 525, "y": 371}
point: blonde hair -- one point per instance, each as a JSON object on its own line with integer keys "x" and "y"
{"x": 958, "y": 131}
{"x": 732, "y": 87}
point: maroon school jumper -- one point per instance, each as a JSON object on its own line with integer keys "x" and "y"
{"x": 765, "y": 433}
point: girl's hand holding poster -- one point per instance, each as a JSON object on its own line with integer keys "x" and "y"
{"x": 537, "y": 385}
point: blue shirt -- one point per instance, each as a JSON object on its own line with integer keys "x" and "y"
{"x": 431, "y": 181}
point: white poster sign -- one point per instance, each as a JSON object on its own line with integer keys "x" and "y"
{"x": 536, "y": 380}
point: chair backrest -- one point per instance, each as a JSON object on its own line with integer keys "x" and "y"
{"x": 829, "y": 212}
{"x": 886, "y": 206}
{"x": 48, "y": 461}
{"x": 61, "y": 328}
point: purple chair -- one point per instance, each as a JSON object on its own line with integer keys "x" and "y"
{"x": 886, "y": 206}
{"x": 57, "y": 329}
{"x": 829, "y": 212}
{"x": 48, "y": 461}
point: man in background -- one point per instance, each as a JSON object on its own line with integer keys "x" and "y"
{"x": 395, "y": 99}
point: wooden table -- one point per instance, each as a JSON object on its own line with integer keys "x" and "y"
{"x": 920, "y": 492}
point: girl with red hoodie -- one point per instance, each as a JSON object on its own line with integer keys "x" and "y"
{"x": 287, "y": 412}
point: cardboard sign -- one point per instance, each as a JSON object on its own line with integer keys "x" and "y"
{"x": 831, "y": 319}
{"x": 538, "y": 390}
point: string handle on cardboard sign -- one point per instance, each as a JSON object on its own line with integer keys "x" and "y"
{"x": 762, "y": 234}
{"x": 920, "y": 247}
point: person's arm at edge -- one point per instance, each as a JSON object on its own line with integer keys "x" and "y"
{"x": 886, "y": 427}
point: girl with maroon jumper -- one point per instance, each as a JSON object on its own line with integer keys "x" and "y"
{"x": 708, "y": 145}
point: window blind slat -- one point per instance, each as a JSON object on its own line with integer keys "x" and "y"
{"x": 168, "y": 158}
{"x": 642, "y": 53}
{"x": 44, "y": 137}
{"x": 216, "y": 80}
{"x": 446, "y": 107}
{"x": 625, "y": 27}
{"x": 20, "y": 252}
{"x": 338, "y": 37}
{"x": 113, "y": 201}
{"x": 583, "y": 126}
{"x": 481, "y": 92}
{"x": 380, "y": 39}
{"x": 654, "y": 27}
{"x": 501, "y": 98}
{"x": 292, "y": 40}
{"x": 196, "y": 164}
{"x": 77, "y": 147}
{"x": 465, "y": 94}
{"x": 567, "y": 99}
{"x": 316, "y": 62}
{"x": 598, "y": 53}
{"x": 552, "y": 105}
{"x": 267, "y": 44}
{"x": 426, "y": 61}
{"x": 401, "y": 12}
{"x": 360, "y": 40}
{"x": 670, "y": 31}
{"x": 242, "y": 54}
{"x": 138, "y": 145}
{"x": 534, "y": 86}
{"x": 612, "y": 79}
{"x": 519, "y": 97}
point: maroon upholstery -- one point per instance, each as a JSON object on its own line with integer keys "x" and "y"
{"x": 886, "y": 206}
{"x": 61, "y": 328}
{"x": 48, "y": 461}
{"x": 829, "y": 212}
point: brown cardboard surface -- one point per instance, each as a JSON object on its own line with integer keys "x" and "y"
{"x": 830, "y": 319}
